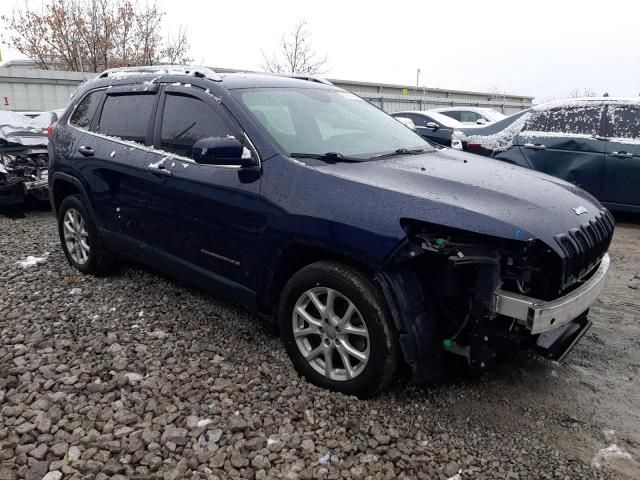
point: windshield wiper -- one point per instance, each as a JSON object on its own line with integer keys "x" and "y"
{"x": 400, "y": 151}
{"x": 328, "y": 157}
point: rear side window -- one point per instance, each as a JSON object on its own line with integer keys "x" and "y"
{"x": 454, "y": 115}
{"x": 86, "y": 109}
{"x": 126, "y": 116}
{"x": 577, "y": 121}
{"x": 470, "y": 117}
{"x": 624, "y": 122}
{"x": 186, "y": 120}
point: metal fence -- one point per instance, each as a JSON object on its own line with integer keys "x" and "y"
{"x": 395, "y": 98}
{"x": 30, "y": 89}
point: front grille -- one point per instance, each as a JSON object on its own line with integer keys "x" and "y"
{"x": 584, "y": 247}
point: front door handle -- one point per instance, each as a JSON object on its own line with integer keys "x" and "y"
{"x": 622, "y": 155}
{"x": 535, "y": 146}
{"x": 160, "y": 170}
{"x": 86, "y": 151}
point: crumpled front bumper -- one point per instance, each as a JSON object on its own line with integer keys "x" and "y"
{"x": 539, "y": 316}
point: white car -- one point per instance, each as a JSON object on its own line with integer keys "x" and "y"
{"x": 471, "y": 115}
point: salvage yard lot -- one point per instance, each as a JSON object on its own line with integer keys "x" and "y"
{"x": 138, "y": 376}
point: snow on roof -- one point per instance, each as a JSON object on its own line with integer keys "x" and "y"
{"x": 195, "y": 71}
{"x": 584, "y": 101}
{"x": 17, "y": 128}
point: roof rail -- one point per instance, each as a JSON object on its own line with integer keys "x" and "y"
{"x": 122, "y": 72}
{"x": 306, "y": 76}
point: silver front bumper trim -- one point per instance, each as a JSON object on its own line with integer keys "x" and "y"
{"x": 541, "y": 316}
{"x": 35, "y": 184}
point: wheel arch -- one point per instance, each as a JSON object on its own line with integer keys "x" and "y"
{"x": 63, "y": 185}
{"x": 291, "y": 258}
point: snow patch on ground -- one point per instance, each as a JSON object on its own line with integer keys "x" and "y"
{"x": 31, "y": 261}
{"x": 612, "y": 452}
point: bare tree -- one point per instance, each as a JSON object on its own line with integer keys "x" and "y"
{"x": 93, "y": 35}
{"x": 296, "y": 54}
{"x": 585, "y": 92}
{"x": 176, "y": 48}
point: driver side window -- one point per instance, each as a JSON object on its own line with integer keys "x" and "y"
{"x": 187, "y": 119}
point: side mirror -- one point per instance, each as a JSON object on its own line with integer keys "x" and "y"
{"x": 222, "y": 151}
{"x": 407, "y": 122}
{"x": 433, "y": 125}
{"x": 481, "y": 121}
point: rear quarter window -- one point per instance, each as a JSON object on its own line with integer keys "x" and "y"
{"x": 126, "y": 116}
{"x": 624, "y": 122}
{"x": 86, "y": 109}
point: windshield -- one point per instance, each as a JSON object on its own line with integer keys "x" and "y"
{"x": 318, "y": 121}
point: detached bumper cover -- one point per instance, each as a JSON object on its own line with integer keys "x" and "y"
{"x": 540, "y": 316}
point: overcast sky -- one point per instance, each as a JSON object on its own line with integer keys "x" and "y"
{"x": 541, "y": 48}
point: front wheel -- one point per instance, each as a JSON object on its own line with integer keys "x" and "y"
{"x": 337, "y": 330}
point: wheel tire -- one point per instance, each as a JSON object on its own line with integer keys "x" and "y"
{"x": 100, "y": 260}
{"x": 354, "y": 286}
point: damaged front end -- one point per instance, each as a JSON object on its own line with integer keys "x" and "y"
{"x": 477, "y": 296}
{"x": 23, "y": 172}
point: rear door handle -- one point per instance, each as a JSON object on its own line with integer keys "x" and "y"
{"x": 622, "y": 155}
{"x": 86, "y": 151}
{"x": 160, "y": 171}
{"x": 535, "y": 146}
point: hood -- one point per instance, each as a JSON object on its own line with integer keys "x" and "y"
{"x": 474, "y": 193}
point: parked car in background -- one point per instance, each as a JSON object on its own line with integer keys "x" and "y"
{"x": 471, "y": 115}
{"x": 432, "y": 126}
{"x": 310, "y": 206}
{"x": 593, "y": 143}
{"x": 24, "y": 159}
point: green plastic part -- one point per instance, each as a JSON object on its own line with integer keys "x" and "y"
{"x": 440, "y": 241}
{"x": 447, "y": 343}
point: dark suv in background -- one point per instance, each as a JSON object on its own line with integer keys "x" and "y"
{"x": 310, "y": 206}
{"x": 593, "y": 143}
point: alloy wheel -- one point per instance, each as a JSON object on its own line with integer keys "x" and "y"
{"x": 76, "y": 237}
{"x": 330, "y": 333}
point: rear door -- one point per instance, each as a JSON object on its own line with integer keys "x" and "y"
{"x": 568, "y": 143}
{"x": 213, "y": 226}
{"x": 622, "y": 161}
{"x": 123, "y": 192}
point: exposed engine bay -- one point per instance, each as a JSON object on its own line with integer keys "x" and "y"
{"x": 479, "y": 297}
{"x": 23, "y": 172}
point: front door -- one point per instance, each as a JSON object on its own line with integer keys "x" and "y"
{"x": 567, "y": 143}
{"x": 214, "y": 222}
{"x": 621, "y": 185}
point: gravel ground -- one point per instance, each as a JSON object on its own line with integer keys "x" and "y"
{"x": 136, "y": 376}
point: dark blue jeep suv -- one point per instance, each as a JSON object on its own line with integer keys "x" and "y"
{"x": 310, "y": 206}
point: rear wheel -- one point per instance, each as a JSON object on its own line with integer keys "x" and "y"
{"x": 81, "y": 243}
{"x": 337, "y": 330}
